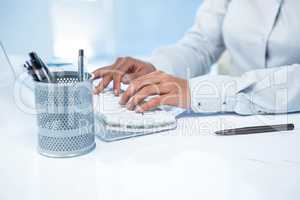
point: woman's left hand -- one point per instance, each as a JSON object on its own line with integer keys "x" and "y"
{"x": 166, "y": 89}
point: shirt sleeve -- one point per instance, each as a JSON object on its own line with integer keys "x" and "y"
{"x": 266, "y": 91}
{"x": 200, "y": 47}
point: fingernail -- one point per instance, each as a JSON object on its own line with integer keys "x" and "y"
{"x": 116, "y": 92}
{"x": 138, "y": 110}
{"x": 129, "y": 106}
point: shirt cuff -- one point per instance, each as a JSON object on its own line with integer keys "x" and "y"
{"x": 213, "y": 93}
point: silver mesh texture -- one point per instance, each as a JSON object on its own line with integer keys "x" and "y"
{"x": 65, "y": 116}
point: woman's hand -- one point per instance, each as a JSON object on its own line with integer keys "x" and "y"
{"x": 123, "y": 70}
{"x": 167, "y": 89}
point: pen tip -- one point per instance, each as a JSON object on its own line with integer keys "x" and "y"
{"x": 32, "y": 55}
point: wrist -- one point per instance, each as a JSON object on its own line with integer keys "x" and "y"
{"x": 184, "y": 96}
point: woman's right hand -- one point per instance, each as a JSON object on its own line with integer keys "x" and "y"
{"x": 123, "y": 70}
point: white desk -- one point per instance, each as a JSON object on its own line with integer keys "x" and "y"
{"x": 183, "y": 164}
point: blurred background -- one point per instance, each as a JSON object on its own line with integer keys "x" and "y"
{"x": 104, "y": 28}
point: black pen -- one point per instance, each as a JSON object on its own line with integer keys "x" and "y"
{"x": 28, "y": 64}
{"x": 39, "y": 68}
{"x": 31, "y": 72}
{"x": 36, "y": 70}
{"x": 256, "y": 129}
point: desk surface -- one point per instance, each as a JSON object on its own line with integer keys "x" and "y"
{"x": 188, "y": 163}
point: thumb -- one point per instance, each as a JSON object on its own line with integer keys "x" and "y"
{"x": 127, "y": 78}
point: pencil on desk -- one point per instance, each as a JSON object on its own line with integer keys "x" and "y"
{"x": 256, "y": 130}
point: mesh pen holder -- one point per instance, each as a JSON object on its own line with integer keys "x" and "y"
{"x": 65, "y": 115}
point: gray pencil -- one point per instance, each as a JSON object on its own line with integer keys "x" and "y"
{"x": 257, "y": 129}
{"x": 81, "y": 65}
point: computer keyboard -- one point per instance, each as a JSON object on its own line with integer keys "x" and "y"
{"x": 117, "y": 122}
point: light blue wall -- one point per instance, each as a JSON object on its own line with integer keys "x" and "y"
{"x": 25, "y": 26}
{"x": 139, "y": 26}
{"x": 145, "y": 25}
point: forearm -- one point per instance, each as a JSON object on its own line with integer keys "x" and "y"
{"x": 201, "y": 47}
{"x": 184, "y": 61}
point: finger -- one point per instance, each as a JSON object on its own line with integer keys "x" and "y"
{"x": 116, "y": 82}
{"x": 101, "y": 72}
{"x": 128, "y": 78}
{"x": 143, "y": 94}
{"x": 121, "y": 69}
{"x": 103, "y": 84}
{"x": 150, "y": 105}
{"x": 136, "y": 85}
{"x": 149, "y": 76}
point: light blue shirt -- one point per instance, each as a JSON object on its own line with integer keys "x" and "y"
{"x": 263, "y": 39}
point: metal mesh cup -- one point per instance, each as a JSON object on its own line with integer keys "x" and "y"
{"x": 65, "y": 116}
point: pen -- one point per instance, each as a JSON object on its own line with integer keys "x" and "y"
{"x": 36, "y": 70}
{"x": 45, "y": 67}
{"x": 81, "y": 65}
{"x": 39, "y": 68}
{"x": 28, "y": 64}
{"x": 31, "y": 72}
{"x": 256, "y": 129}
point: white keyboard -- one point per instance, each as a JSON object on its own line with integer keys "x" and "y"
{"x": 121, "y": 123}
